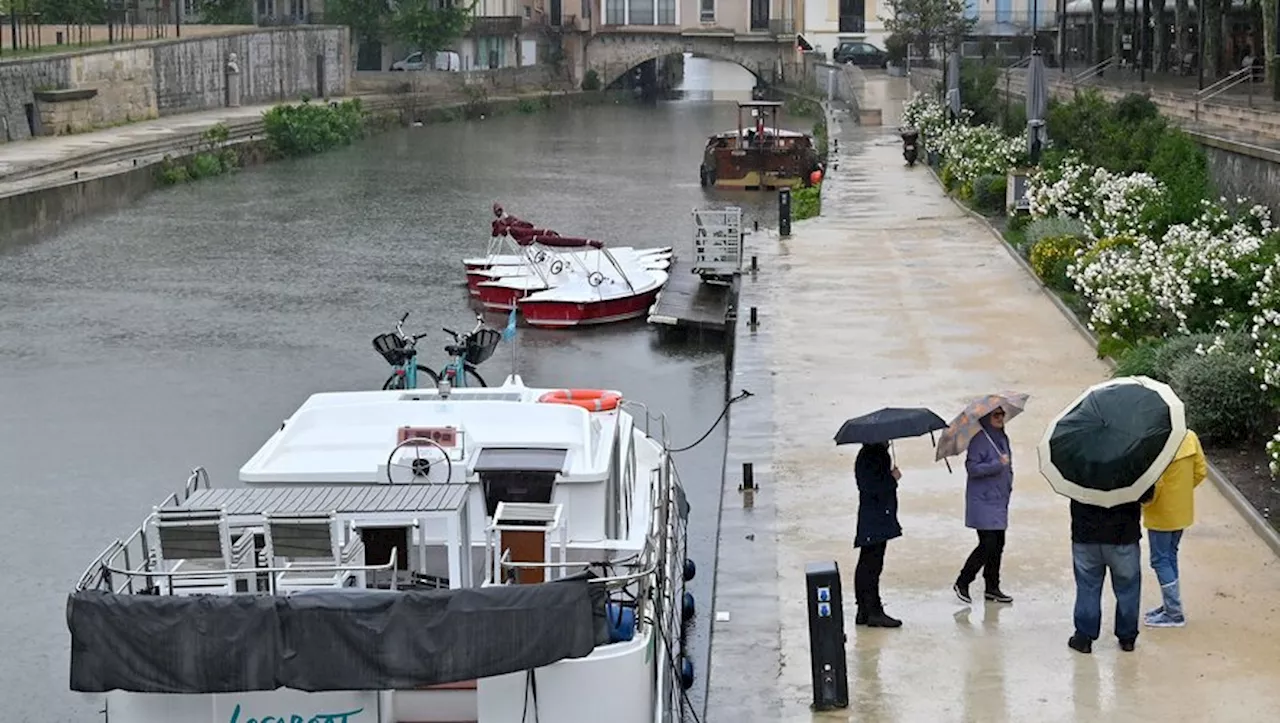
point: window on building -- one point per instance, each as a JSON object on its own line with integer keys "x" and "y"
{"x": 707, "y": 10}
{"x": 615, "y": 12}
{"x": 666, "y": 12}
{"x": 586, "y": 9}
{"x": 641, "y": 12}
{"x": 853, "y": 16}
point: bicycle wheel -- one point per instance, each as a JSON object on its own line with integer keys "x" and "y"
{"x": 396, "y": 381}
{"x": 435, "y": 378}
{"x": 473, "y": 377}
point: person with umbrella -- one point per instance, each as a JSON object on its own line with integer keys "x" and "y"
{"x": 979, "y": 430}
{"x": 1170, "y": 511}
{"x": 877, "y": 478}
{"x": 1105, "y": 452}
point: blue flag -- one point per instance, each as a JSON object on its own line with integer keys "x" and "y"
{"x": 509, "y": 333}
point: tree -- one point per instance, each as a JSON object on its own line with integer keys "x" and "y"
{"x": 430, "y": 25}
{"x": 928, "y": 22}
{"x": 226, "y": 12}
{"x": 368, "y": 19}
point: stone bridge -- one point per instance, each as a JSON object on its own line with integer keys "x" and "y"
{"x": 771, "y": 58}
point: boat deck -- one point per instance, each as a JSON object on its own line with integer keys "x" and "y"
{"x": 688, "y": 303}
{"x": 362, "y": 499}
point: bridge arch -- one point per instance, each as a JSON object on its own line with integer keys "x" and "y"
{"x": 613, "y": 56}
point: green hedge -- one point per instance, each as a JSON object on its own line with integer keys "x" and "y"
{"x": 1221, "y": 395}
{"x": 303, "y": 129}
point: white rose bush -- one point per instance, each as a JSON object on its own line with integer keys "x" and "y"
{"x": 1141, "y": 281}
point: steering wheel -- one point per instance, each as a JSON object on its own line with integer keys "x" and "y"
{"x": 596, "y": 278}
{"x": 557, "y": 266}
{"x": 540, "y": 257}
{"x": 419, "y": 466}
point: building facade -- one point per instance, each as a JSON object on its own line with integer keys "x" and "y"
{"x": 827, "y": 23}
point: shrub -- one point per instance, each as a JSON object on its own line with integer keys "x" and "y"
{"x": 1051, "y": 256}
{"x": 1040, "y": 228}
{"x": 989, "y": 193}
{"x": 591, "y": 80}
{"x": 527, "y": 106}
{"x": 1167, "y": 355}
{"x": 1020, "y": 222}
{"x": 806, "y": 202}
{"x": 1221, "y": 395}
{"x": 303, "y": 129}
{"x": 1139, "y": 361}
{"x": 1180, "y": 164}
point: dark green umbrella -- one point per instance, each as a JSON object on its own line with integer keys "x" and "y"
{"x": 888, "y": 424}
{"x": 1113, "y": 442}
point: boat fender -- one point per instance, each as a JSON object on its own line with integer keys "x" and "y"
{"x": 622, "y": 622}
{"x": 690, "y": 569}
{"x": 686, "y": 672}
{"x": 688, "y": 607}
{"x": 592, "y": 400}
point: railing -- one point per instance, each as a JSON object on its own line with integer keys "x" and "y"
{"x": 1244, "y": 75}
{"x": 1092, "y": 71}
{"x": 234, "y": 572}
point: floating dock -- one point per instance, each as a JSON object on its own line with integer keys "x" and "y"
{"x": 689, "y": 303}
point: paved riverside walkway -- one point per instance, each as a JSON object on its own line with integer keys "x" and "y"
{"x": 897, "y": 297}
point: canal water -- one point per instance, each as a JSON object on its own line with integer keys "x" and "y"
{"x": 182, "y": 330}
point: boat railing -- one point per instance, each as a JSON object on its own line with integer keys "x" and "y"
{"x": 650, "y": 419}
{"x": 198, "y": 479}
{"x": 108, "y": 572}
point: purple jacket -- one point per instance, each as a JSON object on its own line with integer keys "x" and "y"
{"x": 990, "y": 483}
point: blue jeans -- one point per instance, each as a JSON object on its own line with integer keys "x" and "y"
{"x": 1164, "y": 560}
{"x": 1091, "y": 563}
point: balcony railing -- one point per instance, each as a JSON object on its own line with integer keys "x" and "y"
{"x": 853, "y": 24}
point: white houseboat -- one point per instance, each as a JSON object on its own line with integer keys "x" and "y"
{"x": 494, "y": 555}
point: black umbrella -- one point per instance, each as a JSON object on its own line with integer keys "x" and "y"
{"x": 1113, "y": 442}
{"x": 888, "y": 424}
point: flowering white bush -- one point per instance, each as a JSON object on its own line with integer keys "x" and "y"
{"x": 926, "y": 114}
{"x": 1198, "y": 277}
{"x": 1110, "y": 204}
{"x": 973, "y": 151}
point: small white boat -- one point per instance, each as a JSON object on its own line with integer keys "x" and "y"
{"x": 581, "y": 302}
{"x": 489, "y": 555}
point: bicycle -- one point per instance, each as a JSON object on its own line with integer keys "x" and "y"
{"x": 467, "y": 352}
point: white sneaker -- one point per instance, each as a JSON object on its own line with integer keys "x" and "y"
{"x": 1164, "y": 620}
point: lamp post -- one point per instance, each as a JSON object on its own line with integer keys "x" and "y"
{"x": 1142, "y": 41}
{"x": 1275, "y": 59}
{"x": 1200, "y": 42}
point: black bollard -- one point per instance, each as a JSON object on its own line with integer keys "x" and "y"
{"x": 748, "y": 476}
{"x": 757, "y": 226}
{"x": 754, "y": 265}
{"x": 826, "y": 636}
{"x": 784, "y": 212}
{"x": 752, "y": 321}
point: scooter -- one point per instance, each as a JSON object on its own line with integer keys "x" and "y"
{"x": 909, "y": 138}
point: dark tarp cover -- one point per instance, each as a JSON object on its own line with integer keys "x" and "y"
{"x": 154, "y": 644}
{"x": 324, "y": 640}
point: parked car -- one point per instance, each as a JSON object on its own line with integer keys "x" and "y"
{"x": 860, "y": 53}
{"x": 446, "y": 60}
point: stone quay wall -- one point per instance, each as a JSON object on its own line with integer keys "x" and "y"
{"x": 78, "y": 92}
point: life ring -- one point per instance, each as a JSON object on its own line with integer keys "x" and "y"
{"x": 592, "y": 400}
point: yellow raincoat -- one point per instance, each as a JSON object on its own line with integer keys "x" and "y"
{"x": 1173, "y": 506}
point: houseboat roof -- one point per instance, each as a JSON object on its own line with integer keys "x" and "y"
{"x": 346, "y": 437}
{"x": 255, "y": 503}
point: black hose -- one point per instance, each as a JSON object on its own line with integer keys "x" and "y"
{"x": 719, "y": 419}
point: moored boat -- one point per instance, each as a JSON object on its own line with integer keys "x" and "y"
{"x": 758, "y": 155}
{"x": 480, "y": 555}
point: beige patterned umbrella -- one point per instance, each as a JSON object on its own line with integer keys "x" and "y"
{"x": 955, "y": 438}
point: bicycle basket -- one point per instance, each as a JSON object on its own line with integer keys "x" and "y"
{"x": 391, "y": 347}
{"x": 481, "y": 344}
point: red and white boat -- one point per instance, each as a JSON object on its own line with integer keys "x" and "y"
{"x": 594, "y": 300}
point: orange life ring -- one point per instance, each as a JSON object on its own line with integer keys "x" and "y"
{"x": 592, "y": 400}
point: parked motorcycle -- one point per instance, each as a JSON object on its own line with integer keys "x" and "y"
{"x": 910, "y": 137}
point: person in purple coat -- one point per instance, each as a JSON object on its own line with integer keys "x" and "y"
{"x": 989, "y": 464}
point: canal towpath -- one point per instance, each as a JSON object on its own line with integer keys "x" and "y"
{"x": 897, "y": 297}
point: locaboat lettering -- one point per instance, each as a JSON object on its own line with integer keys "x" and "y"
{"x": 296, "y": 718}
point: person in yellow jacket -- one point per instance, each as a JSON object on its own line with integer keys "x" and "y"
{"x": 1165, "y": 516}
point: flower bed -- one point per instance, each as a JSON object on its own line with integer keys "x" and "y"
{"x": 1173, "y": 285}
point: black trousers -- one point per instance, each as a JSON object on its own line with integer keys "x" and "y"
{"x": 866, "y": 576}
{"x": 985, "y": 557}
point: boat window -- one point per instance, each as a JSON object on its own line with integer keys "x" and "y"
{"x": 518, "y": 474}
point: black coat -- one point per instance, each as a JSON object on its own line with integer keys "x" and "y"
{"x": 877, "y": 496}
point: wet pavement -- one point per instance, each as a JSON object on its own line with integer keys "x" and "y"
{"x": 896, "y": 297}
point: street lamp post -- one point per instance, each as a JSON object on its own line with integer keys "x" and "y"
{"x": 1142, "y": 41}
{"x": 1200, "y": 42}
{"x": 1275, "y": 60}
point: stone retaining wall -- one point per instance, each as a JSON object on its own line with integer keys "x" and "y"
{"x": 169, "y": 77}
